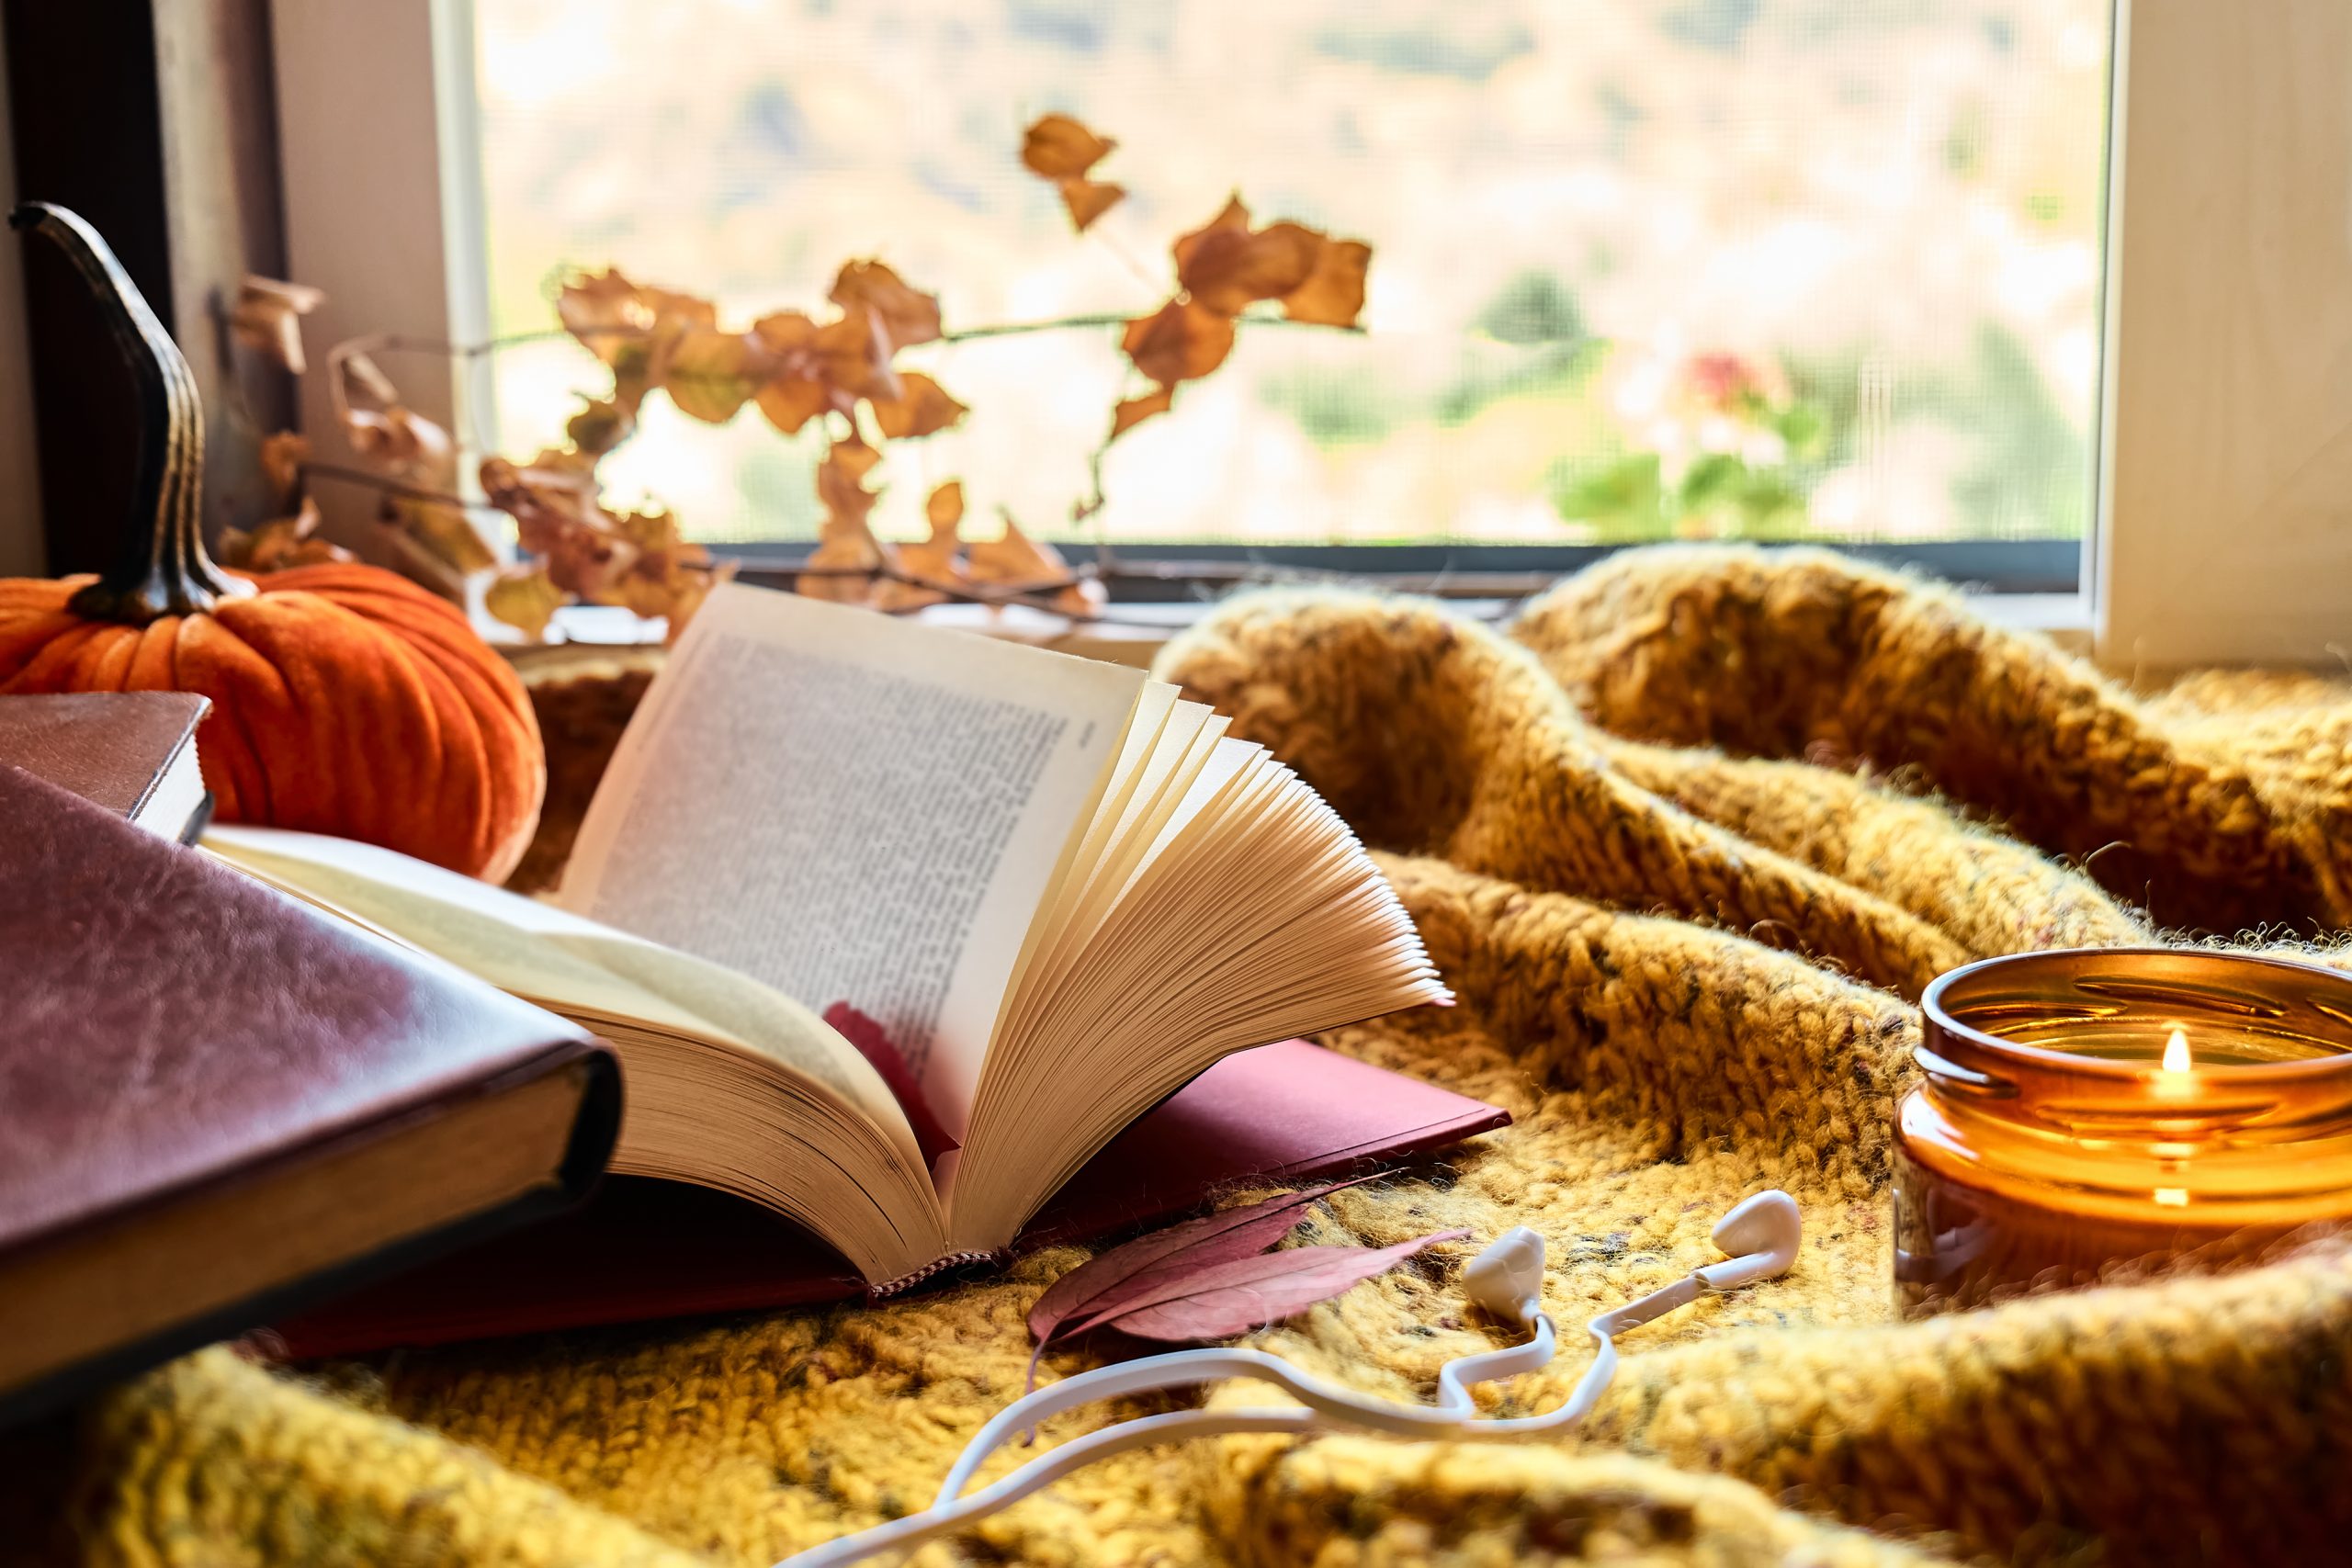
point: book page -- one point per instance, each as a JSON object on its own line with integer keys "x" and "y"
{"x": 558, "y": 959}
{"x": 852, "y": 808}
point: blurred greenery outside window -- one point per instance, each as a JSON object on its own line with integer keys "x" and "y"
{"x": 1642, "y": 269}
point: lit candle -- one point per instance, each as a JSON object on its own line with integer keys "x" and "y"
{"x": 2083, "y": 1108}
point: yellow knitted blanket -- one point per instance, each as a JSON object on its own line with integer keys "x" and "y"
{"x": 1686, "y": 842}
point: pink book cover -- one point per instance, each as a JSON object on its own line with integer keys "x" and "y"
{"x": 643, "y": 1249}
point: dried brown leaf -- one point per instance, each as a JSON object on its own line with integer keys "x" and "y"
{"x": 1016, "y": 561}
{"x": 557, "y": 519}
{"x": 844, "y": 540}
{"x": 791, "y": 402}
{"x": 943, "y": 510}
{"x": 852, "y": 458}
{"x": 1333, "y": 295}
{"x": 691, "y": 594}
{"x": 282, "y": 455}
{"x": 1226, "y": 266}
{"x": 1060, "y": 148}
{"x": 364, "y": 381}
{"x": 1135, "y": 410}
{"x": 1182, "y": 341}
{"x": 608, "y": 314}
{"x": 599, "y": 427}
{"x": 921, "y": 407}
{"x": 1090, "y": 199}
{"x": 907, "y": 315}
{"x": 525, "y": 598}
{"x": 280, "y": 543}
{"x": 268, "y": 318}
{"x": 404, "y": 444}
{"x": 852, "y": 354}
{"x": 935, "y": 561}
{"x": 785, "y": 333}
{"x": 709, "y": 374}
{"x": 442, "y": 530}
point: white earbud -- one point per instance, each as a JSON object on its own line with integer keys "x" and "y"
{"x": 1507, "y": 1278}
{"x": 1762, "y": 1236}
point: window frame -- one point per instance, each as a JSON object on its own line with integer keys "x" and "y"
{"x": 2197, "y": 119}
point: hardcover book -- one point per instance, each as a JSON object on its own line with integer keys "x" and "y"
{"x": 218, "y": 1107}
{"x": 1059, "y": 888}
{"x": 132, "y": 752}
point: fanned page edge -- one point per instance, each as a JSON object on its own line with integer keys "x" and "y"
{"x": 1247, "y": 792}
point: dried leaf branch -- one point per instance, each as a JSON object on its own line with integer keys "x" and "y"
{"x": 834, "y": 369}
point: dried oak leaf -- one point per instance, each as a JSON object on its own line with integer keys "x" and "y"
{"x": 1135, "y": 410}
{"x": 921, "y": 407}
{"x": 526, "y": 598}
{"x": 1226, "y": 266}
{"x": 907, "y": 315}
{"x": 1060, "y": 148}
{"x": 1088, "y": 200}
{"x": 709, "y": 374}
{"x": 1182, "y": 341}
{"x": 268, "y": 317}
{"x": 1333, "y": 295}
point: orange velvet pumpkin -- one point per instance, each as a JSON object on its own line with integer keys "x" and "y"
{"x": 346, "y": 700}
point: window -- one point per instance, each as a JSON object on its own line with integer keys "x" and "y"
{"x": 1680, "y": 268}
{"x": 1707, "y": 268}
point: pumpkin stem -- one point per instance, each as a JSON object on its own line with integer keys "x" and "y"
{"x": 163, "y": 569}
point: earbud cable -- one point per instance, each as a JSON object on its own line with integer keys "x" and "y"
{"x": 1326, "y": 1406}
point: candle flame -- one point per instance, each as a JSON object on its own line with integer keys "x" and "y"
{"x": 2176, "y": 1052}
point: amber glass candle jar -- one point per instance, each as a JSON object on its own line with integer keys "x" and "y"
{"x": 2091, "y": 1106}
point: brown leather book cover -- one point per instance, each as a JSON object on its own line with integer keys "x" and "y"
{"x": 194, "y": 1067}
{"x": 644, "y": 1248}
{"x": 107, "y": 747}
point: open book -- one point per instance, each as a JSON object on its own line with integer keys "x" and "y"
{"x": 1062, "y": 890}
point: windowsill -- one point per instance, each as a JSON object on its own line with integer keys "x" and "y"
{"x": 1134, "y": 634}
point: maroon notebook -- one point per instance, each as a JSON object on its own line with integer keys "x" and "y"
{"x": 644, "y": 1248}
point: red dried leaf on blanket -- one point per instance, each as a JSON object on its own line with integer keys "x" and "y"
{"x": 1110, "y": 1282}
{"x": 874, "y": 1043}
{"x": 1243, "y": 1293}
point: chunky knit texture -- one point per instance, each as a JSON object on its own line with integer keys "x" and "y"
{"x": 1687, "y": 846}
